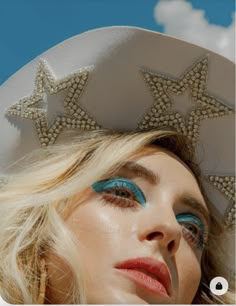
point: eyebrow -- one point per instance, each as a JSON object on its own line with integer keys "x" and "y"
{"x": 196, "y": 205}
{"x": 134, "y": 169}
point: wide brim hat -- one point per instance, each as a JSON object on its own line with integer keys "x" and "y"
{"x": 127, "y": 79}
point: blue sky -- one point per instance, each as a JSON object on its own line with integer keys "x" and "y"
{"x": 29, "y": 27}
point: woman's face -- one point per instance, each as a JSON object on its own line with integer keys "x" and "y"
{"x": 152, "y": 209}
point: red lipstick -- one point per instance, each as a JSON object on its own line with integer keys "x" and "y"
{"x": 148, "y": 273}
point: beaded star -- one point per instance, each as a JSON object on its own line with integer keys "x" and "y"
{"x": 226, "y": 185}
{"x": 45, "y": 83}
{"x": 161, "y": 114}
{"x": 205, "y": 106}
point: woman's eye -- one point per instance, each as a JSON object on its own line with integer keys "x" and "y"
{"x": 120, "y": 191}
{"x": 193, "y": 230}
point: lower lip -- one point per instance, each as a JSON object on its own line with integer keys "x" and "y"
{"x": 145, "y": 281}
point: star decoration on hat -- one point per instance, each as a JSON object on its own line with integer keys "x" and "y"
{"x": 226, "y": 185}
{"x": 161, "y": 114}
{"x": 205, "y": 106}
{"x": 46, "y": 84}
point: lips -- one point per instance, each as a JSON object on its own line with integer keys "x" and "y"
{"x": 153, "y": 274}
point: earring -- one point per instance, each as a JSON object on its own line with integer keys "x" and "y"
{"x": 43, "y": 280}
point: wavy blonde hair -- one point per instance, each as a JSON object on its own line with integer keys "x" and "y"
{"x": 36, "y": 197}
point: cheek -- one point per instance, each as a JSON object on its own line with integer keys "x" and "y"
{"x": 189, "y": 274}
{"x": 98, "y": 229}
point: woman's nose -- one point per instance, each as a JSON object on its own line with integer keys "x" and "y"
{"x": 162, "y": 229}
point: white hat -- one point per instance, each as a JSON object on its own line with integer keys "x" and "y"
{"x": 126, "y": 78}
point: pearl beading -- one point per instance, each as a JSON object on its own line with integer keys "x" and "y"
{"x": 226, "y": 185}
{"x": 159, "y": 116}
{"x": 75, "y": 117}
{"x": 206, "y": 106}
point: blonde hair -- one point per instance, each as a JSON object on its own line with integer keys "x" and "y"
{"x": 36, "y": 198}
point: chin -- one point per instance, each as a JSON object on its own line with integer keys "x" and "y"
{"x": 116, "y": 298}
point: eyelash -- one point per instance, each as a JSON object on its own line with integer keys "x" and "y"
{"x": 199, "y": 239}
{"x": 120, "y": 202}
{"x": 121, "y": 184}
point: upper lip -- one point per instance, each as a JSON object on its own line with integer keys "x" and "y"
{"x": 153, "y": 266}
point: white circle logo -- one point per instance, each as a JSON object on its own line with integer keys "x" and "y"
{"x": 219, "y": 285}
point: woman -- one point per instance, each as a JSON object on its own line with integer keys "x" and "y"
{"x": 119, "y": 213}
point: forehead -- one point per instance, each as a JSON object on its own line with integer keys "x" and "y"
{"x": 164, "y": 162}
{"x": 168, "y": 170}
{"x": 154, "y": 152}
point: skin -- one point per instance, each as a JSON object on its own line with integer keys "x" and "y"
{"x": 108, "y": 234}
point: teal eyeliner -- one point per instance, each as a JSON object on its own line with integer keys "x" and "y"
{"x": 114, "y": 183}
{"x": 192, "y": 219}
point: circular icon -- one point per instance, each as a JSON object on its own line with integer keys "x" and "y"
{"x": 219, "y": 285}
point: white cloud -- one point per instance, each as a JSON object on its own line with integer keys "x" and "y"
{"x": 181, "y": 20}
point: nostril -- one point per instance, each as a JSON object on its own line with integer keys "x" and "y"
{"x": 154, "y": 235}
{"x": 171, "y": 246}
